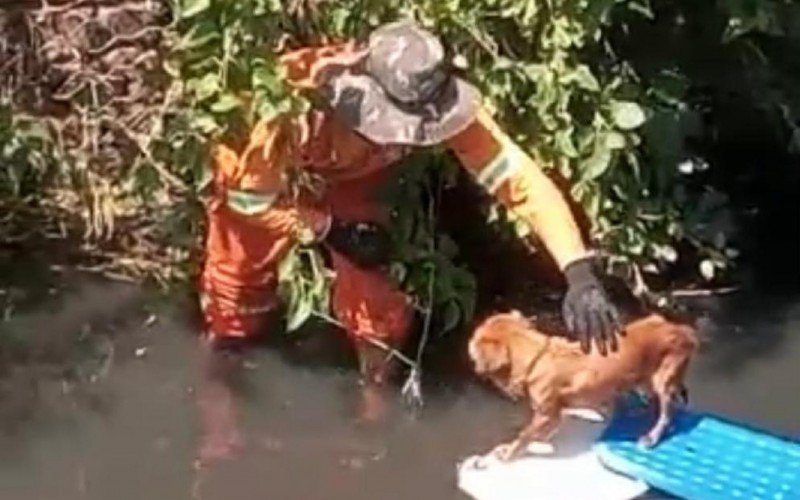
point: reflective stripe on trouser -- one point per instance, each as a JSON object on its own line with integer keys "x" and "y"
{"x": 367, "y": 303}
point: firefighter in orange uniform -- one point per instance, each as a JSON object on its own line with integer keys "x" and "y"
{"x": 380, "y": 99}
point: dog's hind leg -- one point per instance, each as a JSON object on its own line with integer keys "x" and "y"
{"x": 665, "y": 407}
{"x": 667, "y": 385}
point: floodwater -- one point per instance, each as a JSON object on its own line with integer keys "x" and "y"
{"x": 127, "y": 425}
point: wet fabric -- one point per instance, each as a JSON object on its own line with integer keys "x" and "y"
{"x": 253, "y": 224}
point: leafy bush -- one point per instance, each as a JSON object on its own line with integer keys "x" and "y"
{"x": 544, "y": 67}
{"x": 590, "y": 88}
{"x": 25, "y": 161}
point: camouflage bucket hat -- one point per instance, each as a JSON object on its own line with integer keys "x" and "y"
{"x": 403, "y": 93}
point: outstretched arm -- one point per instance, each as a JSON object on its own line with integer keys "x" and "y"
{"x": 514, "y": 179}
{"x": 517, "y": 182}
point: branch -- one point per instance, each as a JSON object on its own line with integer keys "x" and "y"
{"x": 104, "y": 5}
{"x": 705, "y": 292}
{"x": 124, "y": 39}
{"x": 375, "y": 342}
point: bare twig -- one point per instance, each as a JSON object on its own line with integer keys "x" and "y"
{"x": 412, "y": 388}
{"x": 147, "y": 6}
{"x": 124, "y": 39}
{"x": 391, "y": 351}
{"x": 488, "y": 45}
{"x": 705, "y": 292}
{"x": 143, "y": 144}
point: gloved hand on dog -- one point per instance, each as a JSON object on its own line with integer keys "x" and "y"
{"x": 587, "y": 310}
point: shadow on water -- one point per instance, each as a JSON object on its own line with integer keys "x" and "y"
{"x": 749, "y": 328}
{"x": 99, "y": 399}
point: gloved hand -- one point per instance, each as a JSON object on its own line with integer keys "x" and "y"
{"x": 367, "y": 244}
{"x": 587, "y": 310}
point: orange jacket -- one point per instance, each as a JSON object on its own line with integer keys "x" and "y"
{"x": 251, "y": 184}
{"x": 325, "y": 146}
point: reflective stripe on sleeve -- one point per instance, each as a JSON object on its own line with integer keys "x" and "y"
{"x": 501, "y": 168}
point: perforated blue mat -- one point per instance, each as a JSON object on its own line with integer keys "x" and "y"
{"x": 704, "y": 457}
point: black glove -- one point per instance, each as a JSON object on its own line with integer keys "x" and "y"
{"x": 587, "y": 310}
{"x": 365, "y": 243}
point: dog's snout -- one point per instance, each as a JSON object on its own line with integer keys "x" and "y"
{"x": 475, "y": 357}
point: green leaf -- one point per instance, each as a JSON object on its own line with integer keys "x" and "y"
{"x": 205, "y": 87}
{"x": 707, "y": 270}
{"x": 300, "y": 315}
{"x": 191, "y": 8}
{"x": 204, "y": 123}
{"x": 585, "y": 79}
{"x": 288, "y": 265}
{"x": 546, "y": 95}
{"x": 670, "y": 87}
{"x": 34, "y": 130}
{"x": 534, "y": 71}
{"x": 665, "y": 252}
{"x": 398, "y": 271}
{"x": 452, "y": 316}
{"x": 264, "y": 77}
{"x": 521, "y": 228}
{"x": 564, "y": 143}
{"x": 627, "y": 115}
{"x": 592, "y": 203}
{"x": 597, "y": 164}
{"x": 447, "y": 246}
{"x": 643, "y": 8}
{"x": 339, "y": 19}
{"x": 585, "y": 138}
{"x": 225, "y": 103}
{"x": 199, "y": 35}
{"x": 561, "y": 36}
{"x": 614, "y": 140}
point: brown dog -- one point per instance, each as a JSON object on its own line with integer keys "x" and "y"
{"x": 557, "y": 376}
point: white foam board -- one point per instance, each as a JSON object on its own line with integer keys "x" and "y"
{"x": 573, "y": 472}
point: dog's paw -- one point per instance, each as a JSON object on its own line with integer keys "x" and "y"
{"x": 540, "y": 448}
{"x": 647, "y": 441}
{"x": 505, "y": 452}
{"x": 588, "y": 414}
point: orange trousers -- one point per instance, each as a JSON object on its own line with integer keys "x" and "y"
{"x": 239, "y": 280}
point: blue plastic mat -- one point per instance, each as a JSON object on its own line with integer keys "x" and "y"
{"x": 704, "y": 457}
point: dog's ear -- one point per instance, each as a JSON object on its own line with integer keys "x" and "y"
{"x": 490, "y": 355}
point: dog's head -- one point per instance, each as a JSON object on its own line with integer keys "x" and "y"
{"x": 488, "y": 355}
{"x": 489, "y": 347}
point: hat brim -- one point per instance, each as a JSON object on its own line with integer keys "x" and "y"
{"x": 362, "y": 104}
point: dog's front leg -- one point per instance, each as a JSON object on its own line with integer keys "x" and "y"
{"x": 540, "y": 429}
{"x": 513, "y": 393}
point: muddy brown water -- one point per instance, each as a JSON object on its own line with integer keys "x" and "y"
{"x": 130, "y": 429}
